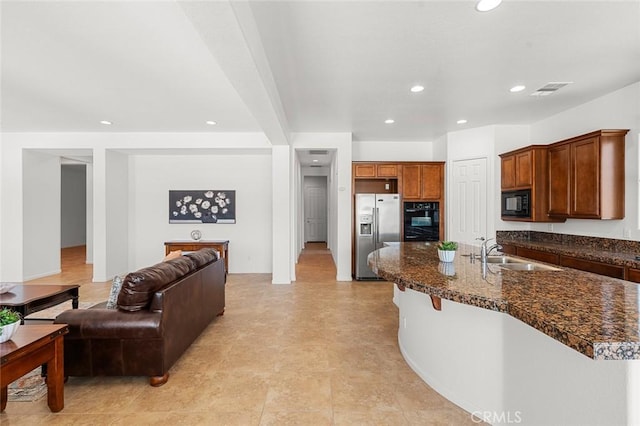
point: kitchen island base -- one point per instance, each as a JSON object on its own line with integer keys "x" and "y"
{"x": 505, "y": 372}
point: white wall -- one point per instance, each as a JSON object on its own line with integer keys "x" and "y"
{"x": 392, "y": 151}
{"x": 616, "y": 110}
{"x": 250, "y": 238}
{"x": 89, "y": 211}
{"x": 41, "y": 215}
{"x": 73, "y": 206}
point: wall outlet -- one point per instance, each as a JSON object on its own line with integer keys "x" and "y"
{"x": 386, "y": 186}
{"x": 550, "y": 227}
{"x": 626, "y": 233}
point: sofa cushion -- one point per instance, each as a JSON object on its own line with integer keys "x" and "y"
{"x": 138, "y": 287}
{"x": 203, "y": 256}
{"x": 183, "y": 264}
{"x": 116, "y": 285}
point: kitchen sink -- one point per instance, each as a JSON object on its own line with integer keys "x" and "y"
{"x": 504, "y": 260}
{"x": 523, "y": 266}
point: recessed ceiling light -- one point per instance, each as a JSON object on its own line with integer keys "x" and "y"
{"x": 106, "y": 122}
{"x": 487, "y": 5}
{"x": 417, "y": 88}
{"x": 518, "y": 88}
{"x": 315, "y": 161}
{"x": 463, "y": 121}
{"x": 211, "y": 123}
{"x": 389, "y": 121}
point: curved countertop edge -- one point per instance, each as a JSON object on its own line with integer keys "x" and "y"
{"x": 613, "y": 350}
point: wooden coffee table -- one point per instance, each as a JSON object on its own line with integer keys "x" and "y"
{"x": 30, "y": 347}
{"x": 28, "y": 298}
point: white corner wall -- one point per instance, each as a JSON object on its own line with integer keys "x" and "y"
{"x": 41, "y": 214}
{"x": 250, "y": 238}
{"x": 282, "y": 212}
{"x": 616, "y": 110}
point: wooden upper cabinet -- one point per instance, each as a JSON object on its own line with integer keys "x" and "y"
{"x": 364, "y": 170}
{"x": 524, "y": 169}
{"x": 422, "y": 181}
{"x": 508, "y": 178}
{"x": 527, "y": 168}
{"x": 517, "y": 170}
{"x": 559, "y": 159}
{"x": 586, "y": 176}
{"x": 432, "y": 177}
{"x": 387, "y": 170}
{"x": 373, "y": 170}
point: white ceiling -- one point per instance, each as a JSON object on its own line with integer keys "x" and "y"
{"x": 306, "y": 66}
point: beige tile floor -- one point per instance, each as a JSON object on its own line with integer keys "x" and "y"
{"x": 316, "y": 352}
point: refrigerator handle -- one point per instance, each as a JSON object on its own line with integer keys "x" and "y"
{"x": 376, "y": 231}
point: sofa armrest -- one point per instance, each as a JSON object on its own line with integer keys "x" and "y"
{"x": 111, "y": 324}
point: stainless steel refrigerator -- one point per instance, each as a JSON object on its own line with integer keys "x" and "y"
{"x": 377, "y": 222}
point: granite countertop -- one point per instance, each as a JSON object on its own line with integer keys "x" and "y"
{"x": 605, "y": 254}
{"x": 593, "y": 314}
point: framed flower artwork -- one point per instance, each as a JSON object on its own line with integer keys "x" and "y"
{"x": 202, "y": 206}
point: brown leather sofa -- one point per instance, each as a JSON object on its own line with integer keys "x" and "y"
{"x": 161, "y": 310}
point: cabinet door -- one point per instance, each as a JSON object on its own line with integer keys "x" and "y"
{"x": 508, "y": 172}
{"x": 411, "y": 182}
{"x": 585, "y": 178}
{"x": 524, "y": 169}
{"x": 387, "y": 170}
{"x": 365, "y": 170}
{"x": 559, "y": 157}
{"x": 431, "y": 181}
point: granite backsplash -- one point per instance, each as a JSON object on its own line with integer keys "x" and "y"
{"x": 589, "y": 243}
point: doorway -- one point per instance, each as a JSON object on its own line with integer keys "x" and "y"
{"x": 315, "y": 209}
{"x": 469, "y": 198}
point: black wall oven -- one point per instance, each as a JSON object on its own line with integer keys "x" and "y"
{"x": 421, "y": 221}
{"x": 516, "y": 203}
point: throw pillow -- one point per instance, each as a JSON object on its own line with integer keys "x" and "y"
{"x": 112, "y": 302}
{"x": 172, "y": 255}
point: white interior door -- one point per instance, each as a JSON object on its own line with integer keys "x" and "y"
{"x": 469, "y": 201}
{"x": 315, "y": 212}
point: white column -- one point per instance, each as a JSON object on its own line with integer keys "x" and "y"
{"x": 281, "y": 212}
{"x": 99, "y": 215}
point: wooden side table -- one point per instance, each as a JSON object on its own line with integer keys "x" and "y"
{"x": 191, "y": 245}
{"x": 30, "y": 347}
{"x": 30, "y": 298}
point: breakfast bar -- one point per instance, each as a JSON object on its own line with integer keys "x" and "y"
{"x": 546, "y": 346}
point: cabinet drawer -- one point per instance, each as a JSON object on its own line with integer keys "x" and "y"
{"x": 542, "y": 256}
{"x": 509, "y": 249}
{"x": 633, "y": 274}
{"x": 591, "y": 266}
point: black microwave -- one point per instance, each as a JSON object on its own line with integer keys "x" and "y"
{"x": 516, "y": 203}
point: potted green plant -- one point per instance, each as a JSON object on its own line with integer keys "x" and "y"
{"x": 447, "y": 250}
{"x": 9, "y": 322}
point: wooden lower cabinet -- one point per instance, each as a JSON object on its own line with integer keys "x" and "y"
{"x": 542, "y": 256}
{"x": 591, "y": 266}
{"x": 633, "y": 274}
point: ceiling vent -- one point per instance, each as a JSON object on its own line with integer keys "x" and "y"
{"x": 315, "y": 165}
{"x": 549, "y": 88}
{"x": 318, "y": 152}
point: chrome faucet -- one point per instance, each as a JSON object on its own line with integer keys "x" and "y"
{"x": 485, "y": 251}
